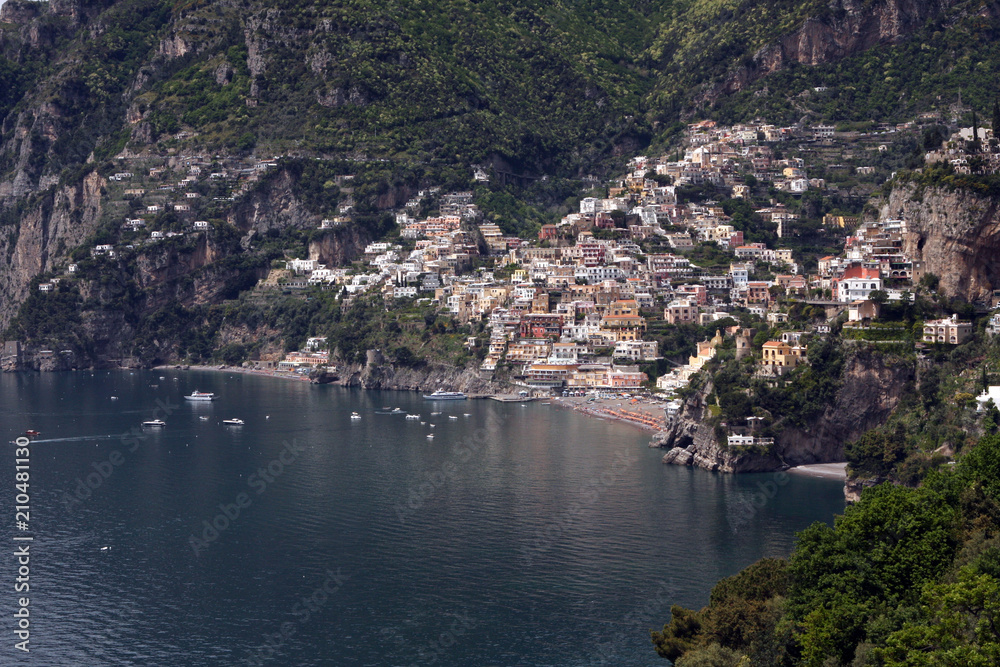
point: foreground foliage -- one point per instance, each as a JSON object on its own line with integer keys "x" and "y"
{"x": 905, "y": 577}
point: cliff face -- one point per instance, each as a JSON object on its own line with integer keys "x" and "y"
{"x": 50, "y": 224}
{"x": 871, "y": 387}
{"x": 954, "y": 234}
{"x": 379, "y": 373}
{"x": 273, "y": 205}
{"x": 849, "y": 27}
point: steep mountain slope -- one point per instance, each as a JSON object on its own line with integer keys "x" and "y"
{"x": 410, "y": 93}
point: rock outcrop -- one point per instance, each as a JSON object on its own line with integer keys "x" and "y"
{"x": 954, "y": 234}
{"x": 379, "y": 373}
{"x": 847, "y": 28}
{"x": 52, "y": 223}
{"x": 871, "y": 387}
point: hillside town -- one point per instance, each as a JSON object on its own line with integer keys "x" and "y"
{"x": 572, "y": 309}
{"x": 578, "y": 308}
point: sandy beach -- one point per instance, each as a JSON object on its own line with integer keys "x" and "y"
{"x": 827, "y": 470}
{"x": 636, "y": 411}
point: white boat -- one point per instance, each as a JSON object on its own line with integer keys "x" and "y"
{"x": 233, "y": 422}
{"x": 413, "y": 416}
{"x": 430, "y": 436}
{"x": 396, "y": 411}
{"x": 204, "y": 419}
{"x": 452, "y": 417}
{"x": 355, "y": 415}
{"x": 440, "y": 395}
{"x": 200, "y": 396}
{"x": 154, "y": 423}
{"x": 114, "y": 398}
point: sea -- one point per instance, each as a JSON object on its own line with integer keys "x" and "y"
{"x": 519, "y": 534}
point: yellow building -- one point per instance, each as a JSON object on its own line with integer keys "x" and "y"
{"x": 779, "y": 358}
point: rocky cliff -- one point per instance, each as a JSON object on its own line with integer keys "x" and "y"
{"x": 871, "y": 386}
{"x": 954, "y": 234}
{"x": 845, "y": 28}
{"x": 378, "y": 373}
{"x": 35, "y": 236}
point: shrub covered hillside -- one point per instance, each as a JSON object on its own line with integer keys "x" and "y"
{"x": 531, "y": 87}
{"x": 906, "y": 577}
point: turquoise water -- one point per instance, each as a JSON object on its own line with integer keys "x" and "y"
{"x": 521, "y": 534}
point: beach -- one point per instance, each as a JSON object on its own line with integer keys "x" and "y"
{"x": 641, "y": 412}
{"x": 826, "y": 470}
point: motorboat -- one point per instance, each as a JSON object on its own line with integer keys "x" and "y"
{"x": 200, "y": 396}
{"x": 32, "y": 433}
{"x": 204, "y": 419}
{"x": 452, "y": 417}
{"x": 413, "y": 416}
{"x": 440, "y": 395}
{"x": 430, "y": 436}
{"x": 154, "y": 423}
{"x": 233, "y": 422}
{"x": 355, "y": 415}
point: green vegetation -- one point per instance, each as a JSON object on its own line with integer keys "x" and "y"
{"x": 905, "y": 577}
{"x": 951, "y": 52}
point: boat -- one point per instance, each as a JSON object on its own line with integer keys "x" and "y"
{"x": 114, "y": 398}
{"x": 355, "y": 415}
{"x": 200, "y": 396}
{"x": 32, "y": 433}
{"x": 204, "y": 419}
{"x": 233, "y": 422}
{"x": 413, "y": 416}
{"x": 397, "y": 410}
{"x": 154, "y": 423}
{"x": 430, "y": 436}
{"x": 440, "y": 395}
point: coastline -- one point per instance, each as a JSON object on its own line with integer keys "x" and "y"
{"x": 824, "y": 470}
{"x": 636, "y": 413}
{"x": 233, "y": 369}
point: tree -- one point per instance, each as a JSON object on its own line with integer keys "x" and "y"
{"x": 879, "y": 296}
{"x": 742, "y": 611}
{"x": 680, "y": 635}
{"x": 712, "y": 655}
{"x": 930, "y": 282}
{"x": 961, "y": 627}
{"x": 877, "y": 557}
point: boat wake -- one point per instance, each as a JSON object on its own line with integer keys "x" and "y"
{"x": 83, "y": 438}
